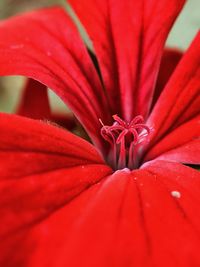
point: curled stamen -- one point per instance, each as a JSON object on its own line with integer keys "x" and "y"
{"x": 125, "y": 139}
{"x": 135, "y": 135}
{"x": 119, "y": 120}
{"x": 121, "y": 136}
{"x": 137, "y": 120}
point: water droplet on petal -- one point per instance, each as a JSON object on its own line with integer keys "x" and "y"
{"x": 176, "y": 194}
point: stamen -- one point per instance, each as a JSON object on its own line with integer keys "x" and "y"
{"x": 125, "y": 141}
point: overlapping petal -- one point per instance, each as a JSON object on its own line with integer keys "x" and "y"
{"x": 121, "y": 221}
{"x": 169, "y": 61}
{"x": 188, "y": 153}
{"x": 180, "y": 100}
{"x": 34, "y": 104}
{"x": 30, "y": 147}
{"x": 39, "y": 173}
{"x": 54, "y": 54}
{"x": 180, "y": 145}
{"x": 129, "y": 49}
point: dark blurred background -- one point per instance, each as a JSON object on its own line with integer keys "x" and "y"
{"x": 11, "y": 7}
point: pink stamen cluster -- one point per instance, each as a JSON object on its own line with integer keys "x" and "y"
{"x": 125, "y": 139}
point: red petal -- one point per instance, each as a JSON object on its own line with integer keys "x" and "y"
{"x": 34, "y": 103}
{"x": 128, "y": 37}
{"x": 170, "y": 59}
{"x": 46, "y": 46}
{"x": 180, "y": 145}
{"x": 42, "y": 168}
{"x": 188, "y": 153}
{"x": 67, "y": 121}
{"x": 180, "y": 100}
{"x": 129, "y": 219}
{"x": 30, "y": 147}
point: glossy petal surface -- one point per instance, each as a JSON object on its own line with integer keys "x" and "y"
{"x": 30, "y": 147}
{"x": 180, "y": 145}
{"x": 39, "y": 173}
{"x": 121, "y": 222}
{"x": 129, "y": 49}
{"x": 58, "y": 59}
{"x": 169, "y": 61}
{"x": 180, "y": 100}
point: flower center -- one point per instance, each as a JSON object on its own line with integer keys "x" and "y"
{"x": 126, "y": 140}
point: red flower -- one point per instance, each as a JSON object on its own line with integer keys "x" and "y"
{"x": 61, "y": 203}
{"x": 34, "y": 104}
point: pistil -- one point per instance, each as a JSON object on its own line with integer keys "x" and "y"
{"x": 126, "y": 140}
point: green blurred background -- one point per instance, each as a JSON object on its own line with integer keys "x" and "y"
{"x": 181, "y": 35}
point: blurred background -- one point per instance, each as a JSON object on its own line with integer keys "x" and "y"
{"x": 180, "y": 37}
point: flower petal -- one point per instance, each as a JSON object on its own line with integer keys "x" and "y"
{"x": 40, "y": 172}
{"x": 169, "y": 61}
{"x": 54, "y": 54}
{"x": 128, "y": 219}
{"x": 129, "y": 49}
{"x": 180, "y": 145}
{"x": 34, "y": 103}
{"x": 67, "y": 121}
{"x": 30, "y": 147}
{"x": 188, "y": 153}
{"x": 180, "y": 100}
